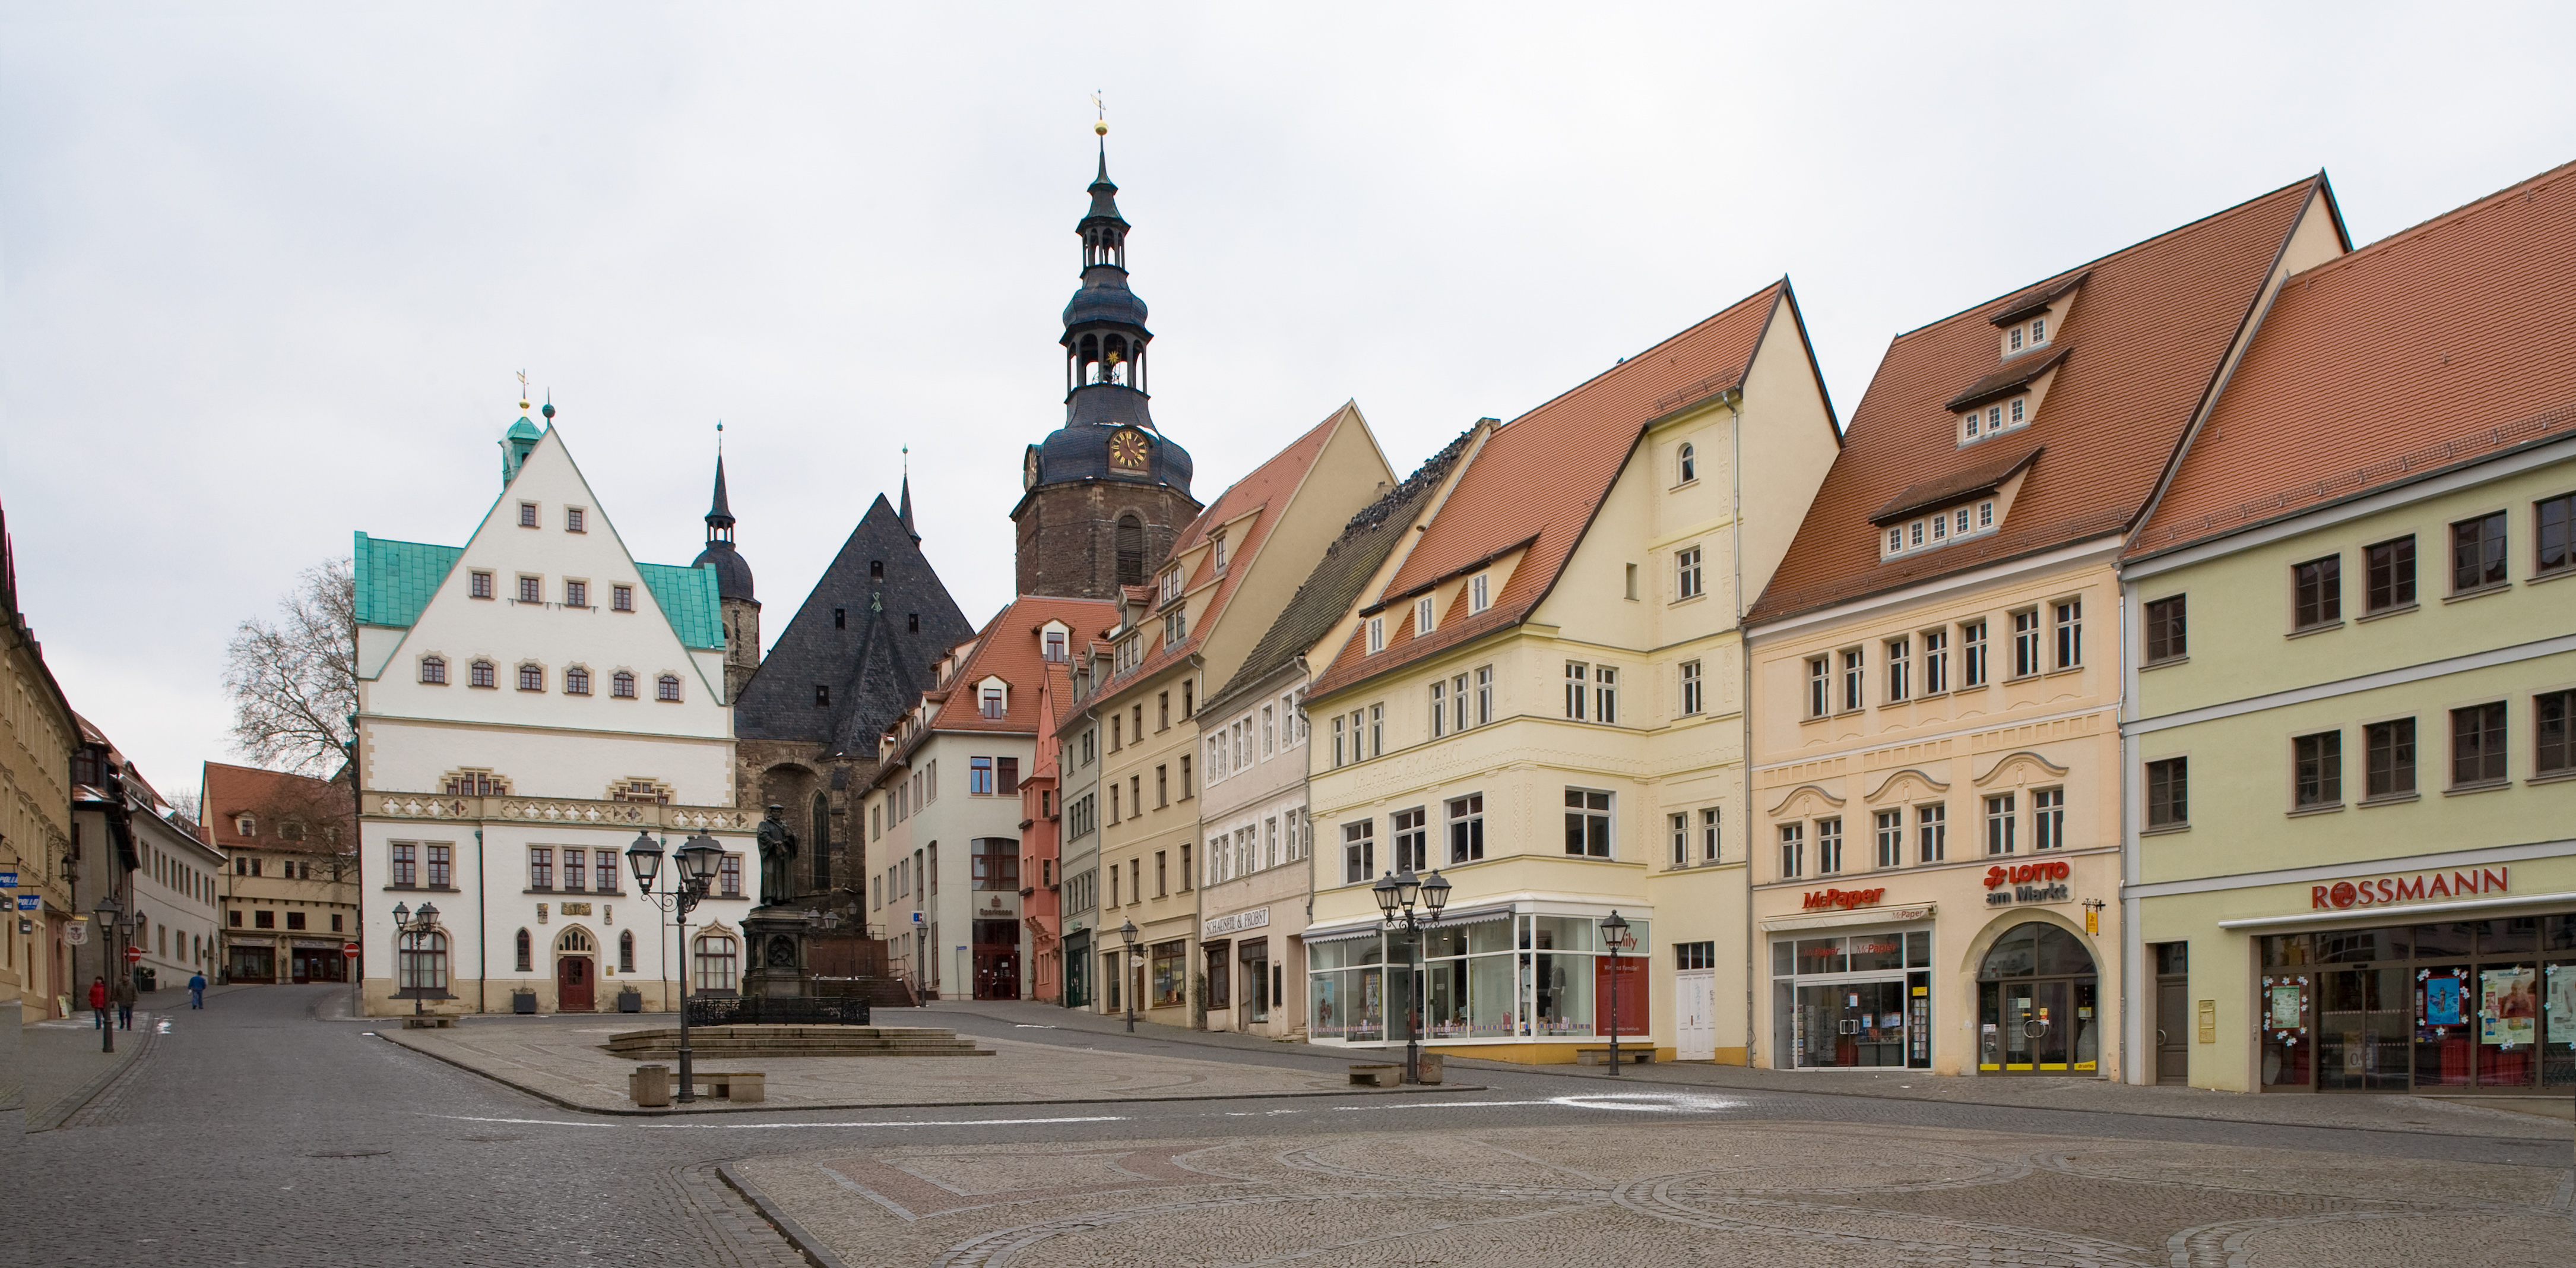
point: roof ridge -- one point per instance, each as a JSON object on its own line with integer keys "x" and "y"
{"x": 1770, "y": 289}
{"x": 2484, "y": 202}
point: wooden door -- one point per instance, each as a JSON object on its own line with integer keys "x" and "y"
{"x": 2173, "y": 1030}
{"x": 573, "y": 984}
{"x": 1694, "y": 1015}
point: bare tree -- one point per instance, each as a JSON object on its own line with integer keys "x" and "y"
{"x": 294, "y": 681}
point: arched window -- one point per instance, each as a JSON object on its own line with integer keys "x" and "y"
{"x": 719, "y": 963}
{"x": 667, "y": 687}
{"x": 621, "y": 685}
{"x": 481, "y": 674}
{"x": 576, "y": 681}
{"x": 820, "y": 843}
{"x": 527, "y": 954}
{"x": 433, "y": 669}
{"x": 1690, "y": 464}
{"x": 532, "y": 678}
{"x": 424, "y": 961}
{"x": 1131, "y": 551}
{"x": 626, "y": 951}
{"x": 575, "y": 942}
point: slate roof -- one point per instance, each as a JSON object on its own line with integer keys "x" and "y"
{"x": 1540, "y": 478}
{"x": 396, "y": 579}
{"x": 1330, "y": 591}
{"x": 874, "y": 664}
{"x": 2151, "y": 325}
{"x": 2434, "y": 347}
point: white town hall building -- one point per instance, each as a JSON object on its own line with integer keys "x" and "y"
{"x": 527, "y": 704}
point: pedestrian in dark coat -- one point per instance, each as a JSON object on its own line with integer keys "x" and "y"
{"x": 197, "y": 991}
{"x": 124, "y": 993}
{"x": 98, "y": 1002}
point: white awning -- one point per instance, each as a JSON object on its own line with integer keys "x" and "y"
{"x": 1845, "y": 919}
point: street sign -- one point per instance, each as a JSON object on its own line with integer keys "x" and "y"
{"x": 30, "y": 902}
{"x": 134, "y": 955}
{"x": 8, "y": 880}
{"x": 349, "y": 949}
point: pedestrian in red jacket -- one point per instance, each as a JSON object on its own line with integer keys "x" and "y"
{"x": 98, "y": 1001}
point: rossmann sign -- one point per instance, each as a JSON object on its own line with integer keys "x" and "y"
{"x": 2381, "y": 890}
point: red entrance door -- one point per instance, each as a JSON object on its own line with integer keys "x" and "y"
{"x": 573, "y": 984}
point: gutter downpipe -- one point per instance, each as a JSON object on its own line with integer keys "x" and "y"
{"x": 482, "y": 931}
{"x": 1744, "y": 714}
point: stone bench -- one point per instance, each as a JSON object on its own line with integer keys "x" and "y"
{"x": 428, "y": 1023}
{"x": 1601, "y": 1056}
{"x": 1372, "y": 1074}
{"x": 650, "y": 1085}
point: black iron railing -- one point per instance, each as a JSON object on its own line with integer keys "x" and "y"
{"x": 799, "y": 1010}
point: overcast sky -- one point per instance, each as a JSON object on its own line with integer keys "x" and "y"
{"x": 266, "y": 271}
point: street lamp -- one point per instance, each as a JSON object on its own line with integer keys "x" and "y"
{"x": 1396, "y": 893}
{"x": 414, "y": 929}
{"x": 1127, "y": 931}
{"x": 696, "y": 870}
{"x": 111, "y": 939}
{"x": 1614, "y": 931}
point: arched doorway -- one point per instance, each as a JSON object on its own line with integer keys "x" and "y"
{"x": 576, "y": 972}
{"x": 2038, "y": 1004}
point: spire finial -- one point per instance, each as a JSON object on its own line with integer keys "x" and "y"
{"x": 523, "y": 391}
{"x": 1100, "y": 125}
{"x": 719, "y": 440}
{"x": 549, "y": 409}
{"x": 904, "y": 512}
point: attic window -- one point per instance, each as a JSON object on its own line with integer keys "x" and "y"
{"x": 527, "y": 515}
{"x": 989, "y": 702}
{"x": 840, "y": 618}
{"x": 1055, "y": 646}
{"x": 1993, "y": 420}
{"x": 1172, "y": 583}
{"x": 2024, "y": 335}
{"x": 574, "y": 520}
{"x": 246, "y": 825}
{"x": 1939, "y": 528}
{"x": 1376, "y": 635}
{"x": 913, "y": 620}
{"x": 1424, "y": 610}
{"x": 1220, "y": 552}
{"x": 1479, "y": 594}
{"x": 876, "y": 570}
{"x": 822, "y": 696}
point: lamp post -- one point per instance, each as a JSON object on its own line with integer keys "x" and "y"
{"x": 1127, "y": 932}
{"x": 414, "y": 928}
{"x": 111, "y": 944}
{"x": 1615, "y": 932}
{"x": 1396, "y": 894}
{"x": 690, "y": 881}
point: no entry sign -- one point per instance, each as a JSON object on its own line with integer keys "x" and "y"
{"x": 349, "y": 949}
{"x": 134, "y": 955}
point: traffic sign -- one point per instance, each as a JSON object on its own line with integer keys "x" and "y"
{"x": 134, "y": 955}
{"x": 349, "y": 949}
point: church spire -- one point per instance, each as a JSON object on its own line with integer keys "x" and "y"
{"x": 719, "y": 513}
{"x": 906, "y": 513}
{"x": 1104, "y": 326}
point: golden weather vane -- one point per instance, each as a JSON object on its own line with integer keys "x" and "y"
{"x": 523, "y": 391}
{"x": 1100, "y": 125}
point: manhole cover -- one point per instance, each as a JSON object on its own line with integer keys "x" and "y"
{"x": 350, "y": 1153}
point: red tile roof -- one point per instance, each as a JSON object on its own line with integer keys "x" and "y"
{"x": 1009, "y": 648}
{"x": 2142, "y": 346}
{"x": 267, "y": 796}
{"x": 2440, "y": 345}
{"x": 1540, "y": 478}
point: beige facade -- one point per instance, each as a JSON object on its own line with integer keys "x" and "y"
{"x": 1254, "y": 861}
{"x": 35, "y": 823}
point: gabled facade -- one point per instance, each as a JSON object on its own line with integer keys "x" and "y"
{"x": 163, "y": 878}
{"x": 1209, "y": 603}
{"x": 527, "y": 704}
{"x": 943, "y": 817}
{"x": 1934, "y": 669}
{"x": 2350, "y": 775}
{"x": 36, "y": 973}
{"x": 1539, "y": 695}
{"x": 290, "y": 890}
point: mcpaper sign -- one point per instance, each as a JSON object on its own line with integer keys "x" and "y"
{"x": 1845, "y": 899}
{"x": 2381, "y": 890}
{"x": 2031, "y": 883}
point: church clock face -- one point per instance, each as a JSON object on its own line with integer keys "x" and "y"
{"x": 1128, "y": 450}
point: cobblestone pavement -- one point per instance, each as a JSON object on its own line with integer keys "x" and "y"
{"x": 562, "y": 1058}
{"x": 253, "y": 1134}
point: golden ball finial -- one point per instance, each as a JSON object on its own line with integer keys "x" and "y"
{"x": 523, "y": 407}
{"x": 1100, "y": 128}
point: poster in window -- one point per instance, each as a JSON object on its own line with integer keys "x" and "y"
{"x": 2562, "y": 1005}
{"x": 2441, "y": 1001}
{"x": 2508, "y": 1005}
{"x": 2285, "y": 1008}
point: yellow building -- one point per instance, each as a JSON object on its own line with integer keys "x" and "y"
{"x": 1208, "y": 604}
{"x": 1541, "y": 697}
{"x": 35, "y": 816}
{"x": 1936, "y": 669}
{"x": 2352, "y": 780}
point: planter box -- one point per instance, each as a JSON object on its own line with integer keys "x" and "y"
{"x": 523, "y": 1002}
{"x": 630, "y": 1001}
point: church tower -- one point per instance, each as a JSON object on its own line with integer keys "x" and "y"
{"x": 1106, "y": 493}
{"x": 733, "y": 588}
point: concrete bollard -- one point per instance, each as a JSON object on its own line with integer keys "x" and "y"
{"x": 650, "y": 1085}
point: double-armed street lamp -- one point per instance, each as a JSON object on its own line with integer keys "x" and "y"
{"x": 112, "y": 928}
{"x": 414, "y": 929}
{"x": 1396, "y": 893}
{"x": 1126, "y": 969}
{"x": 690, "y": 881}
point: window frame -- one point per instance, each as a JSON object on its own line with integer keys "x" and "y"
{"x": 1689, "y": 579}
{"x": 2316, "y": 771}
{"x": 1692, "y": 689}
{"x": 2167, "y": 635}
{"x": 1591, "y": 829}
{"x": 2473, "y": 535}
{"x": 1793, "y": 850}
{"x": 1465, "y": 818}
{"x": 1359, "y": 851}
{"x": 2553, "y": 526}
{"x": 2396, "y": 557}
{"x": 2168, "y": 793}
{"x": 2491, "y": 721}
{"x": 2316, "y": 593}
{"x": 1887, "y": 837}
{"x": 2389, "y": 760}
{"x": 1829, "y": 846}
{"x": 2047, "y": 819}
{"x": 1896, "y": 666}
{"x": 2553, "y": 734}
{"x": 2003, "y": 824}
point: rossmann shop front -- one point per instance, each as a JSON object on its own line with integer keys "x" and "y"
{"x": 2456, "y": 980}
{"x": 2004, "y": 968}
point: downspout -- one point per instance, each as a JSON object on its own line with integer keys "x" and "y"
{"x": 482, "y": 932}
{"x": 1743, "y": 712}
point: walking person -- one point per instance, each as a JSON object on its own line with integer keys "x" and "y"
{"x": 98, "y": 1002}
{"x": 124, "y": 993}
{"x": 197, "y": 990}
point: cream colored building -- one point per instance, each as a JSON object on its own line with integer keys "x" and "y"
{"x": 1208, "y": 603}
{"x": 1936, "y": 668}
{"x": 35, "y": 815}
{"x": 289, "y": 888}
{"x": 2353, "y": 793}
{"x": 1540, "y": 696}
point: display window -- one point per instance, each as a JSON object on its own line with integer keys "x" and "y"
{"x": 1852, "y": 1001}
{"x": 2487, "y": 1004}
{"x": 1495, "y": 976}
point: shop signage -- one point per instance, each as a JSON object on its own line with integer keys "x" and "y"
{"x": 1845, "y": 899}
{"x": 76, "y": 933}
{"x": 2030, "y": 882}
{"x": 2378, "y": 890}
{"x": 30, "y": 902}
{"x": 8, "y": 880}
{"x": 1257, "y": 918}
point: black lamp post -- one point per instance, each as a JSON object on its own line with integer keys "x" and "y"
{"x": 1396, "y": 893}
{"x": 1615, "y": 932}
{"x": 111, "y": 944}
{"x": 414, "y": 928}
{"x": 1126, "y": 969}
{"x": 690, "y": 881}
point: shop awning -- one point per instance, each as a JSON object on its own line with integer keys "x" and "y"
{"x": 1844, "y": 919}
{"x": 2405, "y": 914}
{"x": 1448, "y": 920}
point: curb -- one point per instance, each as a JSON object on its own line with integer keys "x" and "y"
{"x": 815, "y": 1252}
{"x": 766, "y": 1108}
{"x": 61, "y": 1111}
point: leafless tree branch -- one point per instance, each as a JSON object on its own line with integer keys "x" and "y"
{"x": 294, "y": 680}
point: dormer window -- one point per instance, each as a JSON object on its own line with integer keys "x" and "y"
{"x": 1376, "y": 635}
{"x": 990, "y": 701}
{"x": 1055, "y": 647}
{"x": 1171, "y": 583}
{"x": 1940, "y": 528}
{"x": 1479, "y": 594}
{"x": 1991, "y": 420}
{"x": 1424, "y": 609}
{"x": 1219, "y": 548}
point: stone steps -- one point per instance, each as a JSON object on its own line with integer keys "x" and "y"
{"x": 797, "y": 1041}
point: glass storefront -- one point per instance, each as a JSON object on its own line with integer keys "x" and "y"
{"x": 1497, "y": 976}
{"x": 1852, "y": 1001}
{"x": 2486, "y": 1004}
{"x": 2039, "y": 1008}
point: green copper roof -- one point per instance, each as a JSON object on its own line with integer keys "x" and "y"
{"x": 525, "y": 430}
{"x": 395, "y": 579}
{"x": 688, "y": 596}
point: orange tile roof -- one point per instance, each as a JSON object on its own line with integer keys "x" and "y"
{"x": 2433, "y": 347}
{"x": 1540, "y": 478}
{"x": 1009, "y": 648}
{"x": 2141, "y": 347}
{"x": 231, "y": 791}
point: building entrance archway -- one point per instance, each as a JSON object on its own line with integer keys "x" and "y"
{"x": 576, "y": 972}
{"x": 2038, "y": 1004}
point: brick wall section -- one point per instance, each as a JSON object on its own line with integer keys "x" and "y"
{"x": 1068, "y": 534}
